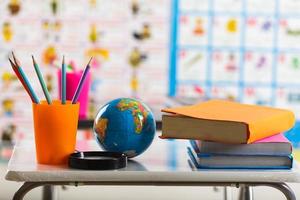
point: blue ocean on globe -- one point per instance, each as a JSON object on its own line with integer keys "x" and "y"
{"x": 124, "y": 125}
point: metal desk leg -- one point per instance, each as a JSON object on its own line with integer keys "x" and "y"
{"x": 284, "y": 188}
{"x": 27, "y": 186}
{"x": 227, "y": 193}
{"x": 48, "y": 192}
{"x": 246, "y": 193}
{"x": 247, "y": 190}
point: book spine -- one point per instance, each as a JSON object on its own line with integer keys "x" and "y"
{"x": 198, "y": 165}
{"x": 200, "y": 147}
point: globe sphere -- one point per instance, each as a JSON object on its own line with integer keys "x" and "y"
{"x": 124, "y": 125}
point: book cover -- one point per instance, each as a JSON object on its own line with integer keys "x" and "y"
{"x": 239, "y": 162}
{"x": 273, "y": 145}
{"x": 248, "y": 123}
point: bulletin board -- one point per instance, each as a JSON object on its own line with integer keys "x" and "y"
{"x": 243, "y": 50}
{"x": 128, "y": 40}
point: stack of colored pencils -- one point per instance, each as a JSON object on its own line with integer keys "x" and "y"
{"x": 15, "y": 64}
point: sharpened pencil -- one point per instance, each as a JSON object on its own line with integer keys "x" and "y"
{"x": 26, "y": 82}
{"x": 42, "y": 82}
{"x": 14, "y": 67}
{"x": 63, "y": 82}
{"x": 81, "y": 82}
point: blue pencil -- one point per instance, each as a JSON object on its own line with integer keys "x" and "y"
{"x": 35, "y": 98}
{"x": 81, "y": 82}
{"x": 63, "y": 82}
{"x": 14, "y": 67}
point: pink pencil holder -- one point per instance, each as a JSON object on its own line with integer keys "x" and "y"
{"x": 72, "y": 80}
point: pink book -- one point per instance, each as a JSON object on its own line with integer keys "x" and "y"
{"x": 273, "y": 145}
{"x": 273, "y": 139}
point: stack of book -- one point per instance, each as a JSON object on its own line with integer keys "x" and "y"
{"x": 230, "y": 135}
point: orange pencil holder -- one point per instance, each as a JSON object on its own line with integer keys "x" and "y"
{"x": 55, "y": 128}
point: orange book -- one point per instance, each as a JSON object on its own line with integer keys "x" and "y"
{"x": 225, "y": 121}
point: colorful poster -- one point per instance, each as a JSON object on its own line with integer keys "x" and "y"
{"x": 127, "y": 39}
{"x": 249, "y": 52}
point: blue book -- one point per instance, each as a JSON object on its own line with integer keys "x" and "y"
{"x": 213, "y": 161}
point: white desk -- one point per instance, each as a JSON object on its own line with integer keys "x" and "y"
{"x": 164, "y": 163}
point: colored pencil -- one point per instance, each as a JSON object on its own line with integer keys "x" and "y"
{"x": 26, "y": 82}
{"x": 63, "y": 82}
{"x": 42, "y": 82}
{"x": 13, "y": 66}
{"x": 81, "y": 82}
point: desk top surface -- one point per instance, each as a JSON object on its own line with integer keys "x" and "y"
{"x": 165, "y": 160}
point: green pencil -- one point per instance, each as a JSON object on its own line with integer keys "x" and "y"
{"x": 42, "y": 82}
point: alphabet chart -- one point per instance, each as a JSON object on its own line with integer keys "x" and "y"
{"x": 128, "y": 40}
{"x": 236, "y": 49}
{"x": 244, "y": 50}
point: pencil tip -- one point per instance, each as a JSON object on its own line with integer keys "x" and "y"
{"x": 33, "y": 60}
{"x": 15, "y": 59}
{"x": 13, "y": 54}
{"x": 11, "y": 62}
{"x": 90, "y": 60}
{"x": 63, "y": 61}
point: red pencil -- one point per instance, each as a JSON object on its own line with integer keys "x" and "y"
{"x": 14, "y": 67}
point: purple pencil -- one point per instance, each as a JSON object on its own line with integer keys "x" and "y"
{"x": 81, "y": 82}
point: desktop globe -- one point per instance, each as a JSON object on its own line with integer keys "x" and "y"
{"x": 124, "y": 125}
